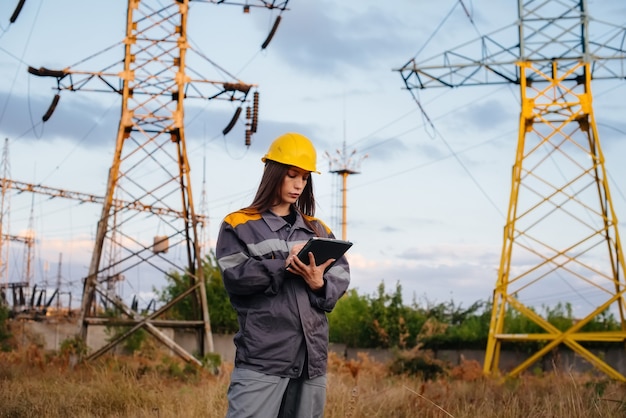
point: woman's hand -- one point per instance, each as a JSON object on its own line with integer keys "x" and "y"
{"x": 313, "y": 275}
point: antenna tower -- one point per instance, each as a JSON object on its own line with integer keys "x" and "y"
{"x": 150, "y": 168}
{"x": 344, "y": 165}
{"x": 204, "y": 211}
{"x": 561, "y": 234}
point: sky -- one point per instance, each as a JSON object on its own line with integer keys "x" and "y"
{"x": 427, "y": 207}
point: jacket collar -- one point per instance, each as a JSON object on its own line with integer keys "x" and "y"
{"x": 276, "y": 222}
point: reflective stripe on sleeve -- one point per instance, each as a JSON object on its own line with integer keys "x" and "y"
{"x": 232, "y": 260}
{"x": 268, "y": 246}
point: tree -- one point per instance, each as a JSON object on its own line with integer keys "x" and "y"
{"x": 377, "y": 321}
{"x": 350, "y": 321}
{"x": 223, "y": 316}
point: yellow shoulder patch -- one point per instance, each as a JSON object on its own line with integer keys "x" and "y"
{"x": 241, "y": 217}
{"x": 319, "y": 221}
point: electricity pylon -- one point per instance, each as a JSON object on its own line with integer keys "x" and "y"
{"x": 561, "y": 234}
{"x": 150, "y": 168}
{"x": 5, "y": 236}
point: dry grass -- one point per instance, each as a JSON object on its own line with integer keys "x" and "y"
{"x": 35, "y": 385}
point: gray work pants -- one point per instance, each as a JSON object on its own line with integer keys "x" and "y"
{"x": 256, "y": 395}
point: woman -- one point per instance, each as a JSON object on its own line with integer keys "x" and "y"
{"x": 282, "y": 343}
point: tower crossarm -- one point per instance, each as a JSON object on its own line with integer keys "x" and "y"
{"x": 113, "y": 77}
{"x": 459, "y": 67}
{"x": 280, "y": 5}
{"x": 76, "y": 80}
{"x": 17, "y": 238}
{"x": 90, "y": 198}
{"x": 552, "y": 31}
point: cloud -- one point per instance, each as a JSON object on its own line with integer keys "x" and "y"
{"x": 77, "y": 119}
{"x": 326, "y": 40}
{"x": 465, "y": 282}
{"x": 485, "y": 116}
{"x": 448, "y": 254}
{"x": 384, "y": 149}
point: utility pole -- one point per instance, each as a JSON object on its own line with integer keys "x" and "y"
{"x": 29, "y": 255}
{"x": 344, "y": 165}
{"x": 559, "y": 178}
{"x": 59, "y": 283}
{"x": 150, "y": 168}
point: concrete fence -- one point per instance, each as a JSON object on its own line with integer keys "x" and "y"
{"x": 51, "y": 334}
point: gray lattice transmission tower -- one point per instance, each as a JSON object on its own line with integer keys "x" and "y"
{"x": 561, "y": 233}
{"x": 150, "y": 169}
{"x": 20, "y": 290}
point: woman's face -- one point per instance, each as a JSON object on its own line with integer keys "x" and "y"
{"x": 293, "y": 185}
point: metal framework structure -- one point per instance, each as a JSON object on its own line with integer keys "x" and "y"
{"x": 344, "y": 165}
{"x": 5, "y": 222}
{"x": 561, "y": 234}
{"x": 150, "y": 169}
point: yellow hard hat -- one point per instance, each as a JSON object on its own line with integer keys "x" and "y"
{"x": 293, "y": 149}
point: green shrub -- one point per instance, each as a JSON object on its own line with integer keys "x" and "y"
{"x": 416, "y": 362}
{"x": 5, "y": 334}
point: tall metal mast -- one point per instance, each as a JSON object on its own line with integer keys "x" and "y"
{"x": 150, "y": 168}
{"x": 561, "y": 234}
{"x": 344, "y": 165}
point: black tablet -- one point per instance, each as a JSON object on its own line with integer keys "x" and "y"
{"x": 323, "y": 249}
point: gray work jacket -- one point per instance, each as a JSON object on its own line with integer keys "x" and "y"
{"x": 282, "y": 322}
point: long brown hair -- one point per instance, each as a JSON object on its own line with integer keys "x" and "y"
{"x": 268, "y": 193}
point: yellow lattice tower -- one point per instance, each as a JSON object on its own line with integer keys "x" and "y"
{"x": 560, "y": 220}
{"x": 561, "y": 234}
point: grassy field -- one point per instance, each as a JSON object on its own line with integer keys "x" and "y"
{"x": 34, "y": 384}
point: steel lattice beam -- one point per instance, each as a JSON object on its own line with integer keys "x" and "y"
{"x": 547, "y": 31}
